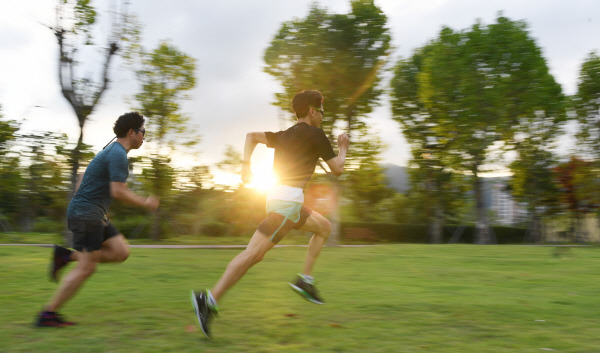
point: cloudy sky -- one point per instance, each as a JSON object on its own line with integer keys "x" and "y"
{"x": 228, "y": 39}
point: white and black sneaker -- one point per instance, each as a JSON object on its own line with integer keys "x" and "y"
{"x": 307, "y": 290}
{"x": 203, "y": 311}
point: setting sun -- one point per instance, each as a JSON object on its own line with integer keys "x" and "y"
{"x": 263, "y": 178}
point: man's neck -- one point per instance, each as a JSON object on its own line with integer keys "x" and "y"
{"x": 304, "y": 120}
{"x": 125, "y": 143}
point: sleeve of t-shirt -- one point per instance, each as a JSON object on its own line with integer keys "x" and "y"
{"x": 271, "y": 139}
{"x": 324, "y": 146}
{"x": 118, "y": 167}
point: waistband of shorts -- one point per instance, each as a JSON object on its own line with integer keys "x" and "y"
{"x": 286, "y": 193}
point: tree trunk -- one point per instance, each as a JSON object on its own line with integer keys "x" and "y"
{"x": 335, "y": 236}
{"x": 482, "y": 227}
{"x": 534, "y": 233}
{"x": 435, "y": 227}
{"x": 156, "y": 226}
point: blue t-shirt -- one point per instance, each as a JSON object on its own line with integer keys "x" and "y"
{"x": 93, "y": 197}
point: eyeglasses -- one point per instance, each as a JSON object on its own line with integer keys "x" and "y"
{"x": 143, "y": 131}
{"x": 319, "y": 110}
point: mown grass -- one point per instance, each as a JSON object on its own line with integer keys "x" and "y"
{"x": 294, "y": 238}
{"x": 391, "y": 298}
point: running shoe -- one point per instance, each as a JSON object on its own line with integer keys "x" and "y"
{"x": 60, "y": 258}
{"x": 203, "y": 311}
{"x": 307, "y": 290}
{"x": 51, "y": 319}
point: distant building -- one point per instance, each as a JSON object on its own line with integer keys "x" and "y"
{"x": 506, "y": 210}
{"x": 498, "y": 199}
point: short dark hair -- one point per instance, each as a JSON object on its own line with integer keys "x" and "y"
{"x": 304, "y": 99}
{"x": 127, "y": 121}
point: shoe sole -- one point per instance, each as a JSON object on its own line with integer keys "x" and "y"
{"x": 304, "y": 294}
{"x": 197, "y": 311}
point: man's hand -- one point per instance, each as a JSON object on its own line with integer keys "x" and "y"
{"x": 246, "y": 173}
{"x": 152, "y": 202}
{"x": 343, "y": 142}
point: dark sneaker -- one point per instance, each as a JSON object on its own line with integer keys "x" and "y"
{"x": 51, "y": 319}
{"x": 60, "y": 258}
{"x": 306, "y": 290}
{"x": 204, "y": 312}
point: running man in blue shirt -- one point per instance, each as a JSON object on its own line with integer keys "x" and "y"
{"x": 95, "y": 239}
{"x": 297, "y": 151}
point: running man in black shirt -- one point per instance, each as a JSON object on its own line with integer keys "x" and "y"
{"x": 297, "y": 151}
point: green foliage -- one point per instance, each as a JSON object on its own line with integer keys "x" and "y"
{"x": 165, "y": 75}
{"x": 214, "y": 229}
{"x": 577, "y": 178}
{"x": 587, "y": 105}
{"x": 419, "y": 233}
{"x": 533, "y": 180}
{"x": 340, "y": 55}
{"x": 365, "y": 181}
{"x": 8, "y": 129}
{"x": 232, "y": 162}
{"x": 465, "y": 91}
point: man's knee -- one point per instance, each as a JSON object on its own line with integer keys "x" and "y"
{"x": 324, "y": 228}
{"x": 254, "y": 256}
{"x": 86, "y": 268}
{"x": 122, "y": 254}
{"x": 115, "y": 249}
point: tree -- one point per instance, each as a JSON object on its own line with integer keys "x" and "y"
{"x": 478, "y": 87}
{"x": 430, "y": 174}
{"x": 45, "y": 171}
{"x": 366, "y": 185}
{"x": 533, "y": 183}
{"x": 587, "y": 105}
{"x": 75, "y": 21}
{"x": 571, "y": 177}
{"x": 341, "y": 55}
{"x": 165, "y": 75}
{"x": 10, "y": 177}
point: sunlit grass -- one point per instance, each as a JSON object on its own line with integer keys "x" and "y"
{"x": 393, "y": 298}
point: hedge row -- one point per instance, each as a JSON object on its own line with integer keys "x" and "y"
{"x": 418, "y": 233}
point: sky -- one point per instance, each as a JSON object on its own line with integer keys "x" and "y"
{"x": 228, "y": 38}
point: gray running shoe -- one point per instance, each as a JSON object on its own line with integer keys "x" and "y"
{"x": 203, "y": 311}
{"x": 307, "y": 290}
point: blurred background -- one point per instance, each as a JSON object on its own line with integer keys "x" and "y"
{"x": 470, "y": 121}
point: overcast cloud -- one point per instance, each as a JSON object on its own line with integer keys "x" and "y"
{"x": 228, "y": 39}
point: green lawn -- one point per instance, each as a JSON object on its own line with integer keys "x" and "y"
{"x": 390, "y": 298}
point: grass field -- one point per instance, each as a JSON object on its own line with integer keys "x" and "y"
{"x": 391, "y": 298}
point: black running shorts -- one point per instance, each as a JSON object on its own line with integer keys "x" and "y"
{"x": 89, "y": 235}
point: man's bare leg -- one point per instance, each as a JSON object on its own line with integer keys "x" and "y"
{"x": 321, "y": 227}
{"x": 114, "y": 249}
{"x": 73, "y": 281}
{"x": 255, "y": 251}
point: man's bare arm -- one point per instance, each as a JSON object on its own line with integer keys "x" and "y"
{"x": 252, "y": 139}
{"x": 336, "y": 164}
{"x": 120, "y": 191}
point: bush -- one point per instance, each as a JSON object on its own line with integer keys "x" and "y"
{"x": 133, "y": 226}
{"x": 417, "y": 233}
{"x": 46, "y": 225}
{"x": 214, "y": 229}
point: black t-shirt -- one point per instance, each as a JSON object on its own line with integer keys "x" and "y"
{"x": 297, "y": 151}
